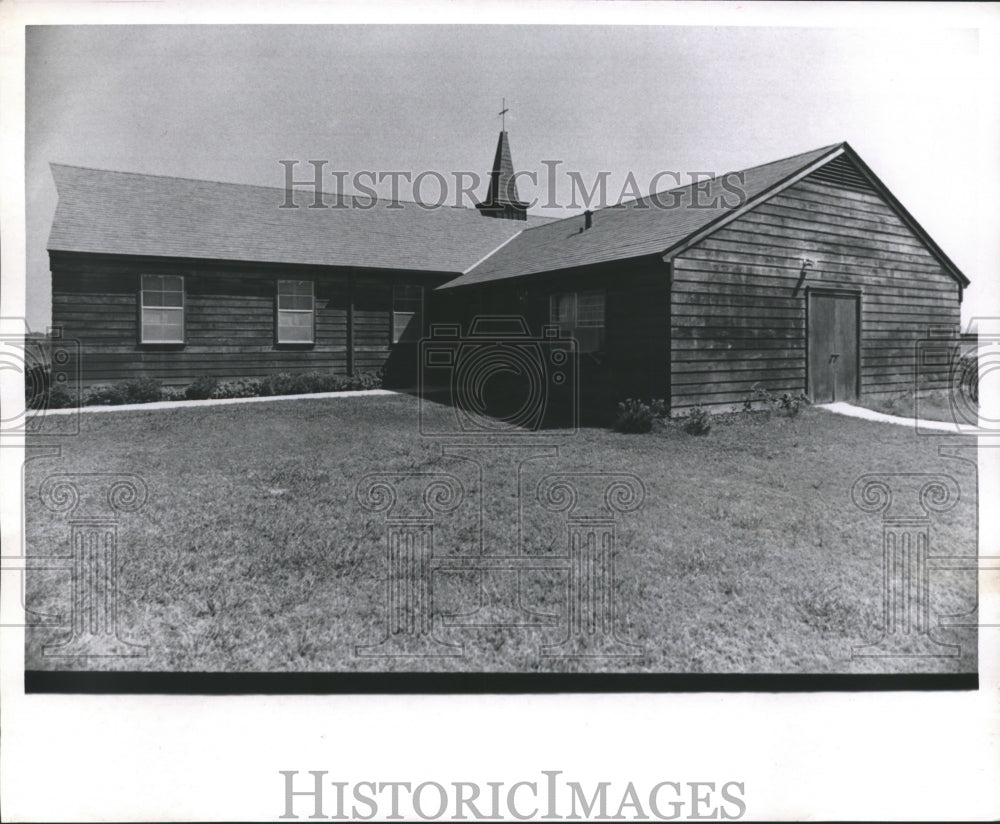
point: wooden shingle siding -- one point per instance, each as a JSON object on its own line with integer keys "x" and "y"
{"x": 738, "y": 320}
{"x": 228, "y": 322}
{"x": 372, "y": 326}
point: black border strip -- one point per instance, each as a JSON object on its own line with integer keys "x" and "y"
{"x": 442, "y": 683}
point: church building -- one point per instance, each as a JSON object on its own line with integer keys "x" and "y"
{"x": 815, "y": 281}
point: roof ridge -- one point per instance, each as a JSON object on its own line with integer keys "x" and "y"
{"x": 651, "y": 195}
{"x": 271, "y": 188}
{"x": 623, "y": 203}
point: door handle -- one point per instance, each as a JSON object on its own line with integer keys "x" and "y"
{"x": 834, "y": 356}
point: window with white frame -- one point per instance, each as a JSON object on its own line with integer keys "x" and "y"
{"x": 162, "y": 309}
{"x": 580, "y": 315}
{"x": 407, "y": 309}
{"x": 296, "y": 311}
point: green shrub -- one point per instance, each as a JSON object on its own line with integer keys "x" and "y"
{"x": 696, "y": 422}
{"x": 136, "y": 390}
{"x": 786, "y": 404}
{"x": 791, "y": 404}
{"x": 309, "y": 383}
{"x": 173, "y": 393}
{"x": 147, "y": 390}
{"x": 41, "y": 393}
{"x": 201, "y": 388}
{"x": 287, "y": 384}
{"x": 634, "y": 416}
{"x": 141, "y": 390}
{"x": 103, "y": 396}
{"x": 60, "y": 397}
{"x": 237, "y": 389}
{"x": 366, "y": 380}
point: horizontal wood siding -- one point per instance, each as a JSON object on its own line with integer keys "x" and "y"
{"x": 738, "y": 322}
{"x": 229, "y": 321}
{"x": 372, "y": 326}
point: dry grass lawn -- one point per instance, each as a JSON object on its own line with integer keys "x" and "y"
{"x": 253, "y": 554}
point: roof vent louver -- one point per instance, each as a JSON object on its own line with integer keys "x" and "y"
{"x": 841, "y": 172}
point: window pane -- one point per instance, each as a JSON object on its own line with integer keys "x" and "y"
{"x": 163, "y": 325}
{"x": 162, "y": 290}
{"x": 580, "y": 315}
{"x": 300, "y": 302}
{"x": 406, "y": 292}
{"x": 407, "y": 304}
{"x": 561, "y": 307}
{"x": 407, "y": 298}
{"x": 295, "y": 287}
{"x": 295, "y": 311}
{"x": 295, "y": 294}
{"x": 590, "y": 309}
{"x": 172, "y": 298}
{"x": 295, "y": 327}
{"x": 174, "y": 329}
{"x": 405, "y": 326}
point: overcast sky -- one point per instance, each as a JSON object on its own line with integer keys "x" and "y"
{"x": 227, "y": 103}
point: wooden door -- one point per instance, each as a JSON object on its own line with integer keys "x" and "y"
{"x": 833, "y": 347}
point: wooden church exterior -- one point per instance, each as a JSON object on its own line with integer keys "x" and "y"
{"x": 174, "y": 278}
{"x": 803, "y": 276}
{"x": 818, "y": 283}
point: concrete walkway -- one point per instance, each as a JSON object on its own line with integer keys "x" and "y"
{"x": 851, "y": 411}
{"x": 132, "y": 407}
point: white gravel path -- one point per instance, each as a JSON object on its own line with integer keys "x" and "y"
{"x": 132, "y": 407}
{"x": 851, "y": 411}
{"x": 838, "y": 408}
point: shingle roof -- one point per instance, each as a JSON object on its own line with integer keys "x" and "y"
{"x": 139, "y": 214}
{"x": 149, "y": 215}
{"x": 633, "y": 229}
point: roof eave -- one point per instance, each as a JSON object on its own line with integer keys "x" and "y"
{"x": 842, "y": 148}
{"x": 908, "y": 219}
{"x": 562, "y": 270}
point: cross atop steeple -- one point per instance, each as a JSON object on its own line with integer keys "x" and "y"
{"x": 502, "y": 114}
